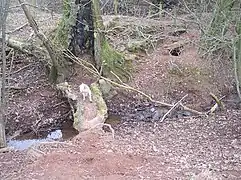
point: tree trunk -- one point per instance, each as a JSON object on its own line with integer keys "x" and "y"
{"x": 3, "y": 142}
{"x": 237, "y": 58}
{"x": 4, "y": 11}
{"x": 82, "y": 32}
{"x": 111, "y": 63}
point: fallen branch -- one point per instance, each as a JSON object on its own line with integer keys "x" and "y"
{"x": 17, "y": 29}
{"x": 34, "y": 6}
{"x": 89, "y": 67}
{"x": 173, "y": 107}
{"x": 24, "y": 47}
{"x": 16, "y": 87}
{"x": 217, "y": 104}
{"x": 22, "y": 68}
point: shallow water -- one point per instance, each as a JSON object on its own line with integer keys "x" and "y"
{"x": 22, "y": 144}
{"x": 24, "y": 141}
{"x": 25, "y": 144}
{"x": 66, "y": 132}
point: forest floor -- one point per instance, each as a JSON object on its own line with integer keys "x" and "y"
{"x": 183, "y": 146}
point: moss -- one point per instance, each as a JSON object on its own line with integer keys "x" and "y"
{"x": 79, "y": 117}
{"x": 62, "y": 35}
{"x": 115, "y": 62}
{"x": 101, "y": 105}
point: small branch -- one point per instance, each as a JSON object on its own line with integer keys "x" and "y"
{"x": 173, "y": 107}
{"x": 17, "y": 29}
{"x": 217, "y": 100}
{"x": 191, "y": 110}
{"x": 217, "y": 104}
{"x": 24, "y": 67}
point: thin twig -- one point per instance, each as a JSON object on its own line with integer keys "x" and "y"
{"x": 173, "y": 107}
{"x": 17, "y": 29}
{"x": 117, "y": 77}
{"x": 24, "y": 67}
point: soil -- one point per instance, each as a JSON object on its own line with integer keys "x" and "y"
{"x": 183, "y": 146}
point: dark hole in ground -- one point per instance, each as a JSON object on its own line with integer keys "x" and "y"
{"x": 178, "y": 32}
{"x": 176, "y": 51}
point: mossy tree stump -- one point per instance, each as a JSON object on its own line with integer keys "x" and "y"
{"x": 81, "y": 31}
{"x": 86, "y": 114}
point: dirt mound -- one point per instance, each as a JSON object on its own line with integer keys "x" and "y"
{"x": 90, "y": 156}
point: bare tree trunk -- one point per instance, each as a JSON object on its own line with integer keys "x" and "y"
{"x": 237, "y": 56}
{"x": 4, "y": 10}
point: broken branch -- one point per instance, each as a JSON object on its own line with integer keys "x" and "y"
{"x": 173, "y": 107}
{"x": 89, "y": 67}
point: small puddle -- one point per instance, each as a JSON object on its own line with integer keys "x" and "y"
{"x": 66, "y": 132}
{"x": 26, "y": 140}
{"x": 24, "y": 144}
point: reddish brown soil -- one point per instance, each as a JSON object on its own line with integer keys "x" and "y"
{"x": 178, "y": 148}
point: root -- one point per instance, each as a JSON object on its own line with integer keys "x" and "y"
{"x": 104, "y": 124}
{"x": 6, "y": 149}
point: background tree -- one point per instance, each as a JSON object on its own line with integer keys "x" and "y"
{"x": 4, "y": 4}
{"x": 222, "y": 35}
